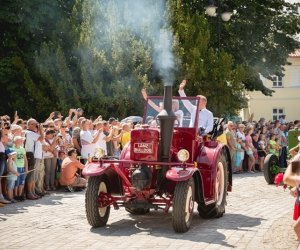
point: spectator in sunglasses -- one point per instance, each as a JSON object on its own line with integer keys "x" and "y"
{"x": 64, "y": 139}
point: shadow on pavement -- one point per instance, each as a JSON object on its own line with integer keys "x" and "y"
{"x": 21, "y": 207}
{"x": 160, "y": 225}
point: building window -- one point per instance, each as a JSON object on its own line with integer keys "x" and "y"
{"x": 277, "y": 113}
{"x": 277, "y": 82}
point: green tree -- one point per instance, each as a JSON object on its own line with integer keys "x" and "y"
{"x": 259, "y": 36}
{"x": 208, "y": 72}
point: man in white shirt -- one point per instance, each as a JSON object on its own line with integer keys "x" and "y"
{"x": 88, "y": 140}
{"x": 205, "y": 118}
{"x": 34, "y": 133}
{"x": 101, "y": 143}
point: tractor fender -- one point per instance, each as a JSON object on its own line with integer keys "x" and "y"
{"x": 180, "y": 174}
{"x": 95, "y": 168}
{"x": 207, "y": 163}
{"x": 115, "y": 179}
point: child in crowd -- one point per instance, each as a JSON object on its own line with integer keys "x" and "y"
{"x": 22, "y": 167}
{"x": 292, "y": 178}
{"x": 116, "y": 141}
{"x": 274, "y": 147}
{"x": 12, "y": 174}
{"x": 239, "y": 155}
{"x": 261, "y": 151}
{"x": 61, "y": 157}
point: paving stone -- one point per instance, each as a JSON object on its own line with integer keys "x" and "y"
{"x": 258, "y": 216}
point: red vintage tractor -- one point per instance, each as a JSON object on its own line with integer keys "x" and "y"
{"x": 165, "y": 165}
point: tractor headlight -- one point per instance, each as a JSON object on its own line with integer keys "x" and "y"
{"x": 183, "y": 155}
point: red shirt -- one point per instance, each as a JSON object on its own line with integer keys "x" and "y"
{"x": 69, "y": 168}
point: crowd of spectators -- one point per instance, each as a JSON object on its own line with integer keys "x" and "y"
{"x": 36, "y": 158}
{"x": 250, "y": 142}
{"x": 39, "y": 157}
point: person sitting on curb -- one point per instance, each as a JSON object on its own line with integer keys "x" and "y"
{"x": 69, "y": 167}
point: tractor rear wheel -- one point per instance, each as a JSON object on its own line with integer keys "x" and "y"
{"x": 217, "y": 209}
{"x": 137, "y": 211}
{"x": 96, "y": 216}
{"x": 270, "y": 162}
{"x": 183, "y": 205}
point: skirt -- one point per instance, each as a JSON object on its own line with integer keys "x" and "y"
{"x": 296, "y": 212}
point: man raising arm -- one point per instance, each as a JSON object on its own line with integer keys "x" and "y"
{"x": 205, "y": 118}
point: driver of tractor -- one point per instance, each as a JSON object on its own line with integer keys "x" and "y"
{"x": 205, "y": 118}
{"x": 175, "y": 108}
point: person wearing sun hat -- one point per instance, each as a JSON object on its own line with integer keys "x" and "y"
{"x": 295, "y": 150}
{"x": 12, "y": 174}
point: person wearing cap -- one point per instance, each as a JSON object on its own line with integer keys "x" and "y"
{"x": 79, "y": 112}
{"x": 205, "y": 118}
{"x": 113, "y": 121}
{"x": 57, "y": 124}
{"x": 34, "y": 133}
{"x": 22, "y": 166}
{"x": 88, "y": 140}
{"x": 12, "y": 174}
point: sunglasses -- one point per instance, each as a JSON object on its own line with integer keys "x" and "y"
{"x": 51, "y": 126}
{"x": 7, "y": 127}
{"x": 64, "y": 126}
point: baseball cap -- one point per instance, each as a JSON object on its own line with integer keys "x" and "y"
{"x": 10, "y": 151}
{"x": 111, "y": 119}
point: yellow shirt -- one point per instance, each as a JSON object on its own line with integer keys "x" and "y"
{"x": 125, "y": 138}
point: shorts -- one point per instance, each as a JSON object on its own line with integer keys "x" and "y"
{"x": 261, "y": 153}
{"x": 79, "y": 182}
{"x": 10, "y": 184}
{"x": 21, "y": 178}
{"x": 249, "y": 152}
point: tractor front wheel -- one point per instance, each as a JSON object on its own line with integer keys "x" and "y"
{"x": 96, "y": 216}
{"x": 183, "y": 205}
{"x": 270, "y": 168}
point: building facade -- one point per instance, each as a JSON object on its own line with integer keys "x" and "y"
{"x": 284, "y": 101}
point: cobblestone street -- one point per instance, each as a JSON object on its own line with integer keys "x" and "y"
{"x": 258, "y": 216}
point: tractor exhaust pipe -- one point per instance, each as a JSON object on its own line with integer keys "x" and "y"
{"x": 166, "y": 118}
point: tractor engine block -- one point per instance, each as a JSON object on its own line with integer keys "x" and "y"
{"x": 141, "y": 178}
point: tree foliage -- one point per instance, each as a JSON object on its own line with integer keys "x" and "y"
{"x": 79, "y": 53}
{"x": 259, "y": 36}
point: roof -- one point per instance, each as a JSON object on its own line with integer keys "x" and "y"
{"x": 295, "y": 54}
